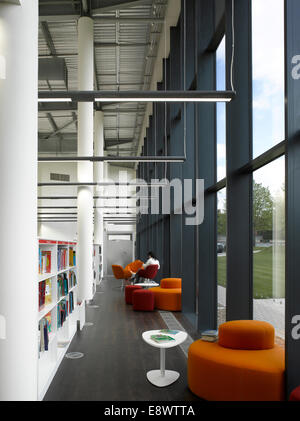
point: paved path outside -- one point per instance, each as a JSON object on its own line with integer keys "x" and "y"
{"x": 269, "y": 310}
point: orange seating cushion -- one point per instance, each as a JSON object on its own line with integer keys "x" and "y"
{"x": 221, "y": 374}
{"x": 132, "y": 267}
{"x": 167, "y": 298}
{"x": 170, "y": 283}
{"x": 246, "y": 334}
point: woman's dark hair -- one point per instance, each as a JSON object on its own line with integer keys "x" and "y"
{"x": 151, "y": 254}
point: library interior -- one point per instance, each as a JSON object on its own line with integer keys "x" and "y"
{"x": 149, "y": 161}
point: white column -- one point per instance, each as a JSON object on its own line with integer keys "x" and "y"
{"x": 98, "y": 176}
{"x": 85, "y": 169}
{"x": 18, "y": 210}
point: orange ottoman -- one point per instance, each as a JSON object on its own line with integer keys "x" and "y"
{"x": 168, "y": 295}
{"x": 244, "y": 365}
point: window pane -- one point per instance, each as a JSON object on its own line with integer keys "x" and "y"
{"x": 268, "y": 74}
{"x": 269, "y": 245}
{"x": 221, "y": 112}
{"x": 221, "y": 255}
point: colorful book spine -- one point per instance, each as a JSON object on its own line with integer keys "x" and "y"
{"x": 48, "y": 295}
{"x": 62, "y": 258}
{"x": 44, "y": 261}
{"x": 40, "y": 261}
{"x": 62, "y": 285}
{"x": 72, "y": 279}
{"x": 71, "y": 302}
{"x": 72, "y": 259}
{"x": 48, "y": 318}
{"x": 42, "y": 289}
{"x": 62, "y": 313}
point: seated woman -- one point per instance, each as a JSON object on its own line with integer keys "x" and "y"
{"x": 152, "y": 260}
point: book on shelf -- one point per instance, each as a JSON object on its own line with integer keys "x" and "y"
{"x": 62, "y": 285}
{"x": 169, "y": 331}
{"x": 72, "y": 279}
{"x": 48, "y": 295}
{"x": 71, "y": 302}
{"x": 44, "y": 261}
{"x": 44, "y": 330}
{"x": 72, "y": 257}
{"x": 42, "y": 291}
{"x": 61, "y": 258}
{"x": 161, "y": 338}
{"x": 209, "y": 335}
{"x": 48, "y": 318}
{"x": 62, "y": 313}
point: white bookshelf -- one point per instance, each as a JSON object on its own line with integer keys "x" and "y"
{"x": 59, "y": 337}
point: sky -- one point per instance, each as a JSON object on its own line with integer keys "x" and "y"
{"x": 268, "y": 91}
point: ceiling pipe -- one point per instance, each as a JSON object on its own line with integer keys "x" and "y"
{"x": 114, "y": 158}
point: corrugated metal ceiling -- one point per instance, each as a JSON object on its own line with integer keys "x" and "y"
{"x": 117, "y": 66}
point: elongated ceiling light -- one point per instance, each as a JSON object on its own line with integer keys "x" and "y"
{"x": 112, "y": 158}
{"x": 136, "y": 96}
{"x": 55, "y": 100}
{"x": 103, "y": 183}
{"x": 95, "y": 197}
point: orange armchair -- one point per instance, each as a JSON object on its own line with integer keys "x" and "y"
{"x": 132, "y": 267}
{"x": 125, "y": 274}
{"x": 168, "y": 295}
{"x": 118, "y": 272}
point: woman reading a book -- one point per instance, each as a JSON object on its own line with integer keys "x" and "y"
{"x": 152, "y": 260}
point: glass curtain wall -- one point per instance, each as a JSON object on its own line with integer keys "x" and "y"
{"x": 221, "y": 111}
{"x": 268, "y": 74}
{"x": 268, "y": 181}
{"x": 268, "y": 129}
{"x": 221, "y": 173}
{"x": 221, "y": 254}
{"x": 269, "y": 244}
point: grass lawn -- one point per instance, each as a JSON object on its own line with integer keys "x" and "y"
{"x": 262, "y": 266}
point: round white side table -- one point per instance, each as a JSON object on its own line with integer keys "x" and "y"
{"x": 163, "y": 377}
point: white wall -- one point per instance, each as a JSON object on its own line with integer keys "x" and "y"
{"x": 68, "y": 231}
{"x": 113, "y": 172}
{"x": 59, "y": 230}
{"x": 122, "y": 174}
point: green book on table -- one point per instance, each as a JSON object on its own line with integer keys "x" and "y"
{"x": 161, "y": 338}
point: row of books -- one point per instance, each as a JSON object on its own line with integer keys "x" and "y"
{"x": 45, "y": 296}
{"x": 44, "y": 261}
{"x": 62, "y": 258}
{"x": 45, "y": 288}
{"x": 64, "y": 308}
